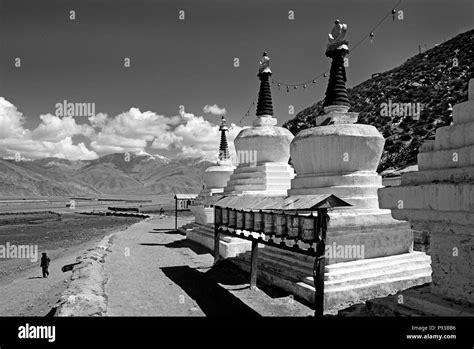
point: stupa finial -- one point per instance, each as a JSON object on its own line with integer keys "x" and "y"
{"x": 336, "y": 37}
{"x": 223, "y": 126}
{"x": 336, "y": 92}
{"x": 264, "y": 104}
{"x": 264, "y": 64}
{"x": 224, "y": 153}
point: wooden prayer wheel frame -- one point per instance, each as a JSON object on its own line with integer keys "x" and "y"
{"x": 306, "y": 228}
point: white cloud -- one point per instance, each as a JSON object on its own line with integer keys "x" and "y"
{"x": 54, "y": 129}
{"x": 214, "y": 110}
{"x": 185, "y": 134}
{"x": 11, "y": 120}
{"x": 196, "y": 137}
{"x": 130, "y": 131}
{"x": 14, "y": 138}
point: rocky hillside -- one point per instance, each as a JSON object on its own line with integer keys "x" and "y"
{"x": 119, "y": 173}
{"x": 430, "y": 78}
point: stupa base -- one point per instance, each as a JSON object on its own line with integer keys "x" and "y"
{"x": 271, "y": 178}
{"x": 203, "y": 234}
{"x": 345, "y": 283}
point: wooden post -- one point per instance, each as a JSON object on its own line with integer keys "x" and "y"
{"x": 319, "y": 263}
{"x": 217, "y": 238}
{"x": 176, "y": 214}
{"x": 253, "y": 264}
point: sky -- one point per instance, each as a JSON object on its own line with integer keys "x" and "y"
{"x": 160, "y": 82}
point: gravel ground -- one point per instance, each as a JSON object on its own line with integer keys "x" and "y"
{"x": 154, "y": 271}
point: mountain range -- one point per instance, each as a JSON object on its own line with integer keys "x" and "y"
{"x": 113, "y": 174}
{"x": 433, "y": 79}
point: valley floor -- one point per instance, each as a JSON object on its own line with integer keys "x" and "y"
{"x": 23, "y": 290}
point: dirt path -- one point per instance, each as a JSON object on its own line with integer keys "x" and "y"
{"x": 32, "y": 295}
{"x": 27, "y": 293}
{"x": 153, "y": 271}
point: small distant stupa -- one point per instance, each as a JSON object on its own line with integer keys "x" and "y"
{"x": 215, "y": 179}
{"x": 224, "y": 154}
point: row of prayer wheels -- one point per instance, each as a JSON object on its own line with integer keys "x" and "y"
{"x": 271, "y": 223}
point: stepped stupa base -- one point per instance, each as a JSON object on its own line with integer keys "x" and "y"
{"x": 357, "y": 188}
{"x": 269, "y": 178}
{"x": 345, "y": 283}
{"x": 438, "y": 198}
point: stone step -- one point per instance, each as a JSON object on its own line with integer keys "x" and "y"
{"x": 266, "y": 167}
{"x": 336, "y": 298}
{"x": 340, "y": 191}
{"x": 364, "y": 202}
{"x": 278, "y": 174}
{"x": 245, "y": 180}
{"x": 454, "y": 136}
{"x": 449, "y": 158}
{"x": 348, "y": 271}
{"x": 435, "y": 196}
{"x": 369, "y": 276}
{"x": 258, "y": 180}
{"x": 352, "y": 294}
{"x": 463, "y": 112}
{"x": 260, "y": 187}
{"x": 354, "y": 266}
{"x": 462, "y": 174}
{"x": 356, "y": 179}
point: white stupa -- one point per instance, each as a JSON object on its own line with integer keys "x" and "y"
{"x": 215, "y": 179}
{"x": 263, "y": 149}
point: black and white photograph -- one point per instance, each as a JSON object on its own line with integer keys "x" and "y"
{"x": 300, "y": 165}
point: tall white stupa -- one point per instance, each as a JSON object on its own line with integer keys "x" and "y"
{"x": 263, "y": 149}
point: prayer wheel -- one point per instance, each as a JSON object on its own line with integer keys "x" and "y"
{"x": 239, "y": 220}
{"x": 249, "y": 218}
{"x": 280, "y": 225}
{"x": 306, "y": 232}
{"x": 258, "y": 222}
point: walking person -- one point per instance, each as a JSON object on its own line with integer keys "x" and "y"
{"x": 45, "y": 264}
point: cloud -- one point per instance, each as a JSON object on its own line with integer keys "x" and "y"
{"x": 186, "y": 134}
{"x": 54, "y": 129}
{"x": 196, "y": 137}
{"x": 11, "y": 120}
{"x": 214, "y": 110}
{"x": 130, "y": 131}
{"x": 52, "y": 137}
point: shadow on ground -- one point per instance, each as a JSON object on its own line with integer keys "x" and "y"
{"x": 214, "y": 300}
{"x": 196, "y": 248}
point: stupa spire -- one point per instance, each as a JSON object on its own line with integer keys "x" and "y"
{"x": 264, "y": 104}
{"x": 224, "y": 153}
{"x": 337, "y": 49}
